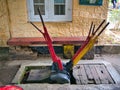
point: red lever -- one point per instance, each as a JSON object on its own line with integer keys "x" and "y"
{"x": 55, "y": 58}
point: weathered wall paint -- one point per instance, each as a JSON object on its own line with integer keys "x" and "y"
{"x": 15, "y": 20}
{"x": 4, "y": 24}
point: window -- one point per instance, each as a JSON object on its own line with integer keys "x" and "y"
{"x": 51, "y": 10}
{"x": 91, "y": 2}
{"x": 37, "y": 4}
{"x": 59, "y": 7}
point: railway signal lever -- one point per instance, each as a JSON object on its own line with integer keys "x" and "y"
{"x": 60, "y": 72}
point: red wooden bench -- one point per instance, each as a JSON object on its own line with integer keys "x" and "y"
{"x": 40, "y": 41}
{"x": 27, "y": 41}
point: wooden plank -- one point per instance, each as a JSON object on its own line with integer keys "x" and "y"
{"x": 110, "y": 80}
{"x": 101, "y": 74}
{"x": 89, "y": 74}
{"x": 95, "y": 74}
{"x": 82, "y": 75}
{"x": 75, "y": 74}
{"x": 80, "y": 82}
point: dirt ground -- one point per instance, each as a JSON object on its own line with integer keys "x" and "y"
{"x": 110, "y": 37}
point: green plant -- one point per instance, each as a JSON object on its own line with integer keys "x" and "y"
{"x": 114, "y": 15}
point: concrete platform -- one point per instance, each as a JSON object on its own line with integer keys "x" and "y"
{"x": 5, "y": 71}
{"x": 114, "y": 74}
{"x": 68, "y": 87}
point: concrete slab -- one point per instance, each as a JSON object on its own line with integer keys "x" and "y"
{"x": 18, "y": 77}
{"x": 114, "y": 74}
{"x": 68, "y": 87}
{"x": 38, "y": 74}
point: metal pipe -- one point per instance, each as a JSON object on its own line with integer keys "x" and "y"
{"x": 90, "y": 29}
{"x": 99, "y": 27}
{"x": 103, "y": 29}
{"x": 36, "y": 27}
{"x": 41, "y": 17}
{"x": 93, "y": 30}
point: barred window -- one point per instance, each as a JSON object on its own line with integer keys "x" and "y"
{"x": 51, "y": 10}
{"x": 59, "y": 7}
{"x": 39, "y": 4}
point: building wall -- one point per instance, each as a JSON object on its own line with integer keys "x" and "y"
{"x": 15, "y": 21}
{"x": 4, "y": 23}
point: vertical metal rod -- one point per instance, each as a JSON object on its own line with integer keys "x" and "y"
{"x": 99, "y": 27}
{"x": 41, "y": 17}
{"x": 93, "y": 30}
{"x": 90, "y": 29}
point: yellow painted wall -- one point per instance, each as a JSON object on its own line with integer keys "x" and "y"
{"x": 17, "y": 22}
{"x": 4, "y": 24}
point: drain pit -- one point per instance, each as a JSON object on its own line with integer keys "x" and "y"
{"x": 36, "y": 74}
{"x": 82, "y": 74}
